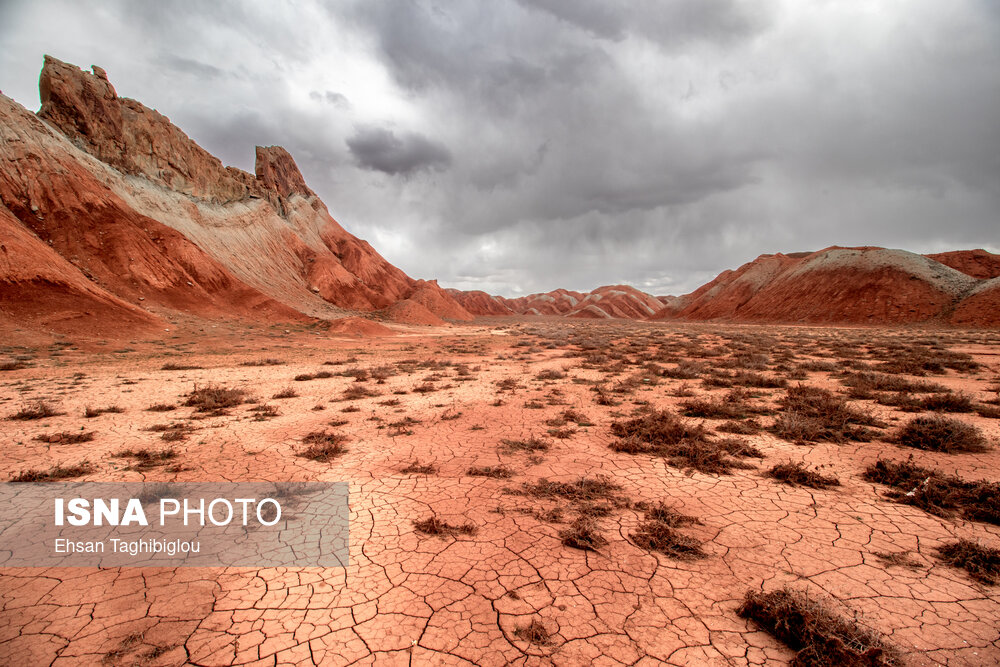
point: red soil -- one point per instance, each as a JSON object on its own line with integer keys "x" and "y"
{"x": 411, "y": 312}
{"x": 359, "y": 327}
{"x": 981, "y": 308}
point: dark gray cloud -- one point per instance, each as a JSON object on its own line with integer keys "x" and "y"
{"x": 523, "y": 145}
{"x": 381, "y": 150}
{"x": 203, "y": 71}
{"x": 671, "y": 23}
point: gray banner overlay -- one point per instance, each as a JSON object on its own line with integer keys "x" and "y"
{"x": 97, "y": 524}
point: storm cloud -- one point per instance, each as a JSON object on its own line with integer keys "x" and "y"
{"x": 381, "y": 150}
{"x": 524, "y": 145}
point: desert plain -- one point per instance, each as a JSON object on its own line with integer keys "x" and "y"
{"x": 527, "y": 491}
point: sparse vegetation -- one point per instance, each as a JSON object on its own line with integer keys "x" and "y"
{"x": 798, "y": 474}
{"x": 147, "y": 458}
{"x": 662, "y": 536}
{"x": 820, "y": 636}
{"x": 941, "y": 434}
{"x": 533, "y": 633}
{"x": 213, "y": 398}
{"x": 936, "y": 492}
{"x": 531, "y": 444}
{"x": 496, "y": 472}
{"x": 817, "y": 415}
{"x": 435, "y": 526}
{"x": 54, "y": 474}
{"x": 662, "y": 433}
{"x": 981, "y": 562}
{"x": 35, "y": 410}
{"x": 66, "y": 437}
{"x": 322, "y": 446}
{"x": 582, "y": 534}
{"x": 418, "y": 468}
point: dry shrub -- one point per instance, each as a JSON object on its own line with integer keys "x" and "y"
{"x": 322, "y": 446}
{"x": 35, "y": 410}
{"x": 496, "y": 472}
{"x": 981, "y": 562}
{"x": 434, "y": 526}
{"x": 941, "y": 434}
{"x": 662, "y": 433}
{"x": 532, "y": 444}
{"x": 662, "y": 536}
{"x": 54, "y": 473}
{"x": 147, "y": 458}
{"x": 66, "y": 437}
{"x": 263, "y": 362}
{"x": 815, "y": 414}
{"x": 418, "y": 468}
{"x": 533, "y": 633}
{"x": 864, "y": 384}
{"x": 356, "y": 391}
{"x": 581, "y": 490}
{"x": 171, "y": 366}
{"x": 91, "y": 412}
{"x": 950, "y": 402}
{"x": 898, "y": 559}
{"x": 215, "y": 397}
{"x": 798, "y": 474}
{"x": 936, "y": 492}
{"x": 744, "y": 427}
{"x": 820, "y": 636}
{"x": 582, "y": 534}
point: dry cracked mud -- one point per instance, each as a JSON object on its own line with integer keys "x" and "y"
{"x": 450, "y": 400}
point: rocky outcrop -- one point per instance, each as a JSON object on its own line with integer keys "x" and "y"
{"x": 277, "y": 171}
{"x": 131, "y": 137}
{"x": 56, "y": 193}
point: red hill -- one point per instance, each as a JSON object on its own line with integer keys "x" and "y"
{"x": 146, "y": 217}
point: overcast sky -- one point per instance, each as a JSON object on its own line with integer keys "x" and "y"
{"x": 522, "y": 145}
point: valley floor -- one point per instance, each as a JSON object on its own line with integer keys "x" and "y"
{"x": 488, "y": 414}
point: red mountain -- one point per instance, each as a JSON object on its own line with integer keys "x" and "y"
{"x": 620, "y": 301}
{"x": 845, "y": 286}
{"x": 118, "y": 211}
{"x": 976, "y": 263}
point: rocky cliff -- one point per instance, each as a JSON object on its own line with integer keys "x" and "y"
{"x": 151, "y": 220}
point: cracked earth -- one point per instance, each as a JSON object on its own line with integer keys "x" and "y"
{"x": 509, "y": 591}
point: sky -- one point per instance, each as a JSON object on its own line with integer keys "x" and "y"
{"x": 518, "y": 146}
